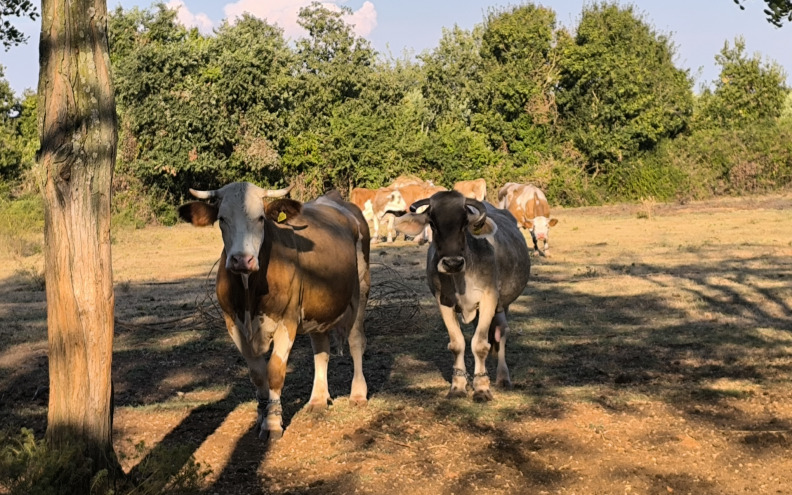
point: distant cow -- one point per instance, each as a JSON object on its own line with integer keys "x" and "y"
{"x": 407, "y": 180}
{"x": 476, "y": 189}
{"x": 529, "y": 206}
{"x": 412, "y": 193}
{"x": 476, "y": 265}
{"x": 374, "y": 203}
{"x": 288, "y": 268}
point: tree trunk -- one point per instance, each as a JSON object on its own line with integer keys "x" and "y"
{"x": 77, "y": 125}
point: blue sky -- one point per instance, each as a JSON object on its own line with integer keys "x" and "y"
{"x": 699, "y": 28}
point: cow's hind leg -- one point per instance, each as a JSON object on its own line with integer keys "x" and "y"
{"x": 499, "y": 330}
{"x": 357, "y": 346}
{"x": 357, "y": 335}
{"x": 480, "y": 346}
{"x": 320, "y": 395}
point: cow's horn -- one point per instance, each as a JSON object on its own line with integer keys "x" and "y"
{"x": 421, "y": 202}
{"x": 480, "y": 209}
{"x": 204, "y": 194}
{"x": 478, "y": 205}
{"x": 275, "y": 193}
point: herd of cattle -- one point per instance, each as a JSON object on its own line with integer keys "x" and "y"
{"x": 526, "y": 202}
{"x": 292, "y": 267}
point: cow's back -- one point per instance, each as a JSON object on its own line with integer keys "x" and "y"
{"x": 415, "y": 192}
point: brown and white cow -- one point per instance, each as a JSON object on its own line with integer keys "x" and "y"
{"x": 529, "y": 206}
{"x": 476, "y": 189}
{"x": 374, "y": 203}
{"x": 288, "y": 268}
{"x": 410, "y": 194}
{"x": 476, "y": 265}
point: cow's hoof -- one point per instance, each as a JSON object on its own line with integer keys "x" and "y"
{"x": 482, "y": 396}
{"x": 317, "y": 406}
{"x": 456, "y": 393}
{"x": 270, "y": 436}
{"x": 358, "y": 401}
{"x": 505, "y": 384}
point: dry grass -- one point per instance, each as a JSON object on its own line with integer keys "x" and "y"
{"x": 647, "y": 356}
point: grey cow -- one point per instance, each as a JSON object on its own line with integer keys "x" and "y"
{"x": 477, "y": 265}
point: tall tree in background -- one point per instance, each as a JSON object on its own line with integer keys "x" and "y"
{"x": 520, "y": 74}
{"x": 76, "y": 158}
{"x": 333, "y": 68}
{"x": 620, "y": 93}
{"x": 748, "y": 90}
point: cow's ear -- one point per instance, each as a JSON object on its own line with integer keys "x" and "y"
{"x": 411, "y": 223}
{"x": 528, "y": 224}
{"x": 553, "y": 222}
{"x": 198, "y": 213}
{"x": 282, "y": 210}
{"x": 484, "y": 229}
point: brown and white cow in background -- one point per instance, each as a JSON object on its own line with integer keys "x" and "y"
{"x": 412, "y": 193}
{"x": 529, "y": 206}
{"x": 288, "y": 268}
{"x": 374, "y": 203}
{"x": 476, "y": 189}
{"x": 476, "y": 265}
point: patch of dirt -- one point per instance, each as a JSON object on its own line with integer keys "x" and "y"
{"x": 650, "y": 354}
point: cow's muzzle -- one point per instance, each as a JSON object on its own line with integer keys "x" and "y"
{"x": 451, "y": 264}
{"x": 242, "y": 263}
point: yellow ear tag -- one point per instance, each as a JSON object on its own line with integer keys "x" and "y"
{"x": 281, "y": 217}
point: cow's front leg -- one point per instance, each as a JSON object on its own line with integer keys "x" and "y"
{"x": 283, "y": 339}
{"x": 320, "y": 395}
{"x": 480, "y": 346}
{"x": 456, "y": 345}
{"x": 253, "y": 352}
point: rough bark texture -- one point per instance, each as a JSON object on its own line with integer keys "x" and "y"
{"x": 77, "y": 125}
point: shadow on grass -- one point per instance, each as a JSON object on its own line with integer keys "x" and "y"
{"x": 616, "y": 347}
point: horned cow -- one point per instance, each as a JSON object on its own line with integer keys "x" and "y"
{"x": 476, "y": 265}
{"x": 288, "y": 268}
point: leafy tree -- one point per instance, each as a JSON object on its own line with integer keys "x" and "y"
{"x": 9, "y": 34}
{"x": 333, "y": 69}
{"x": 619, "y": 93}
{"x": 746, "y": 91}
{"x": 10, "y": 146}
{"x": 452, "y": 76}
{"x": 516, "y": 105}
{"x": 777, "y": 11}
{"x": 196, "y": 110}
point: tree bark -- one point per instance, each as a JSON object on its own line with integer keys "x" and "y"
{"x": 77, "y": 125}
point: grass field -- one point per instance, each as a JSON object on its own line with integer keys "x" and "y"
{"x": 652, "y": 353}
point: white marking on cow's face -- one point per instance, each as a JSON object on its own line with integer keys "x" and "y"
{"x": 541, "y": 227}
{"x": 241, "y": 216}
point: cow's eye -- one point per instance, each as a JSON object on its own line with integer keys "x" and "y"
{"x": 261, "y": 219}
